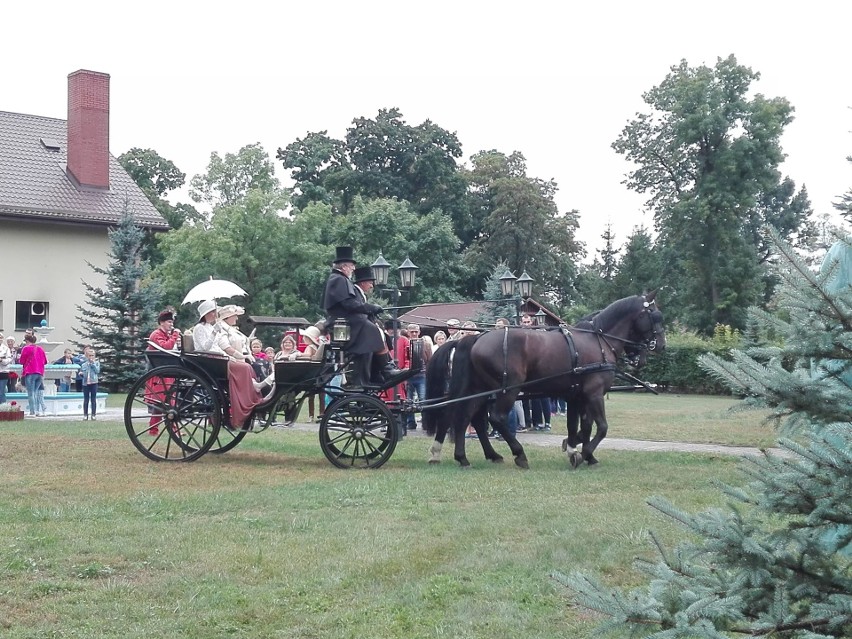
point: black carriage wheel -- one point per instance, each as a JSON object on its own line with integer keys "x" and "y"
{"x": 172, "y": 414}
{"x": 357, "y": 431}
{"x": 227, "y": 439}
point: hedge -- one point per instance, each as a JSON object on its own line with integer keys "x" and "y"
{"x": 677, "y": 369}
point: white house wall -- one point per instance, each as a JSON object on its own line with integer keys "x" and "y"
{"x": 46, "y": 262}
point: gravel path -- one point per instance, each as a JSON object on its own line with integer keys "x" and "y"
{"x": 534, "y": 438}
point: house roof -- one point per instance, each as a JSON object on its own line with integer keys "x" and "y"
{"x": 35, "y": 185}
{"x": 436, "y": 315}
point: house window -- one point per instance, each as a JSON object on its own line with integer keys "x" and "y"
{"x": 30, "y": 314}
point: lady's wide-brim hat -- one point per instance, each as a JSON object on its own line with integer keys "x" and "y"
{"x": 230, "y": 310}
{"x": 312, "y": 335}
{"x": 363, "y": 274}
{"x": 205, "y": 307}
{"x": 344, "y": 254}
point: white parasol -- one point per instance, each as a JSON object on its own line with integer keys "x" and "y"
{"x": 212, "y": 290}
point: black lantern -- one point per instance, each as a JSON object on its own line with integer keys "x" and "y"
{"x": 381, "y": 270}
{"x": 540, "y": 318}
{"x": 406, "y": 273}
{"x": 525, "y": 284}
{"x": 507, "y": 283}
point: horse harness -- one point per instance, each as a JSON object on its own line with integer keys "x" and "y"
{"x": 632, "y": 350}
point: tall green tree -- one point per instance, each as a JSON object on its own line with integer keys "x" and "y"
{"x": 638, "y": 269}
{"x": 156, "y": 176}
{"x": 707, "y": 154}
{"x": 523, "y": 226}
{"x": 595, "y": 282}
{"x": 245, "y": 242}
{"x": 778, "y": 561}
{"x": 118, "y": 317}
{"x": 392, "y": 228}
{"x": 382, "y": 157}
{"x": 228, "y": 180}
{"x": 244, "y": 239}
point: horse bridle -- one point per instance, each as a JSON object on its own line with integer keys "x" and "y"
{"x": 632, "y": 348}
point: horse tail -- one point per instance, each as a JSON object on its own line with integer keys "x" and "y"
{"x": 437, "y": 381}
{"x": 460, "y": 379}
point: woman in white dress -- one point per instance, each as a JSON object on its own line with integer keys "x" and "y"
{"x": 204, "y": 332}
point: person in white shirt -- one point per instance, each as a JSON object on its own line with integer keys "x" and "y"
{"x": 204, "y": 332}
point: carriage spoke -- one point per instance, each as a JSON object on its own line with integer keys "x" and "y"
{"x": 171, "y": 414}
{"x": 357, "y": 432}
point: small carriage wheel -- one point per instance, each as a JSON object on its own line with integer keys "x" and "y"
{"x": 172, "y": 414}
{"x": 357, "y": 431}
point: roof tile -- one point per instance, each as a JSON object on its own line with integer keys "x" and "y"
{"x": 33, "y": 182}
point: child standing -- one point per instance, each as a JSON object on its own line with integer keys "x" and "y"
{"x": 90, "y": 370}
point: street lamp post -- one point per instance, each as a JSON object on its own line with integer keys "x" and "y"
{"x": 524, "y": 286}
{"x": 407, "y": 271}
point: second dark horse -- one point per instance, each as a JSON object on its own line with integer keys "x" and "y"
{"x": 483, "y": 374}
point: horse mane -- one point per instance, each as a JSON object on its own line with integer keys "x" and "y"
{"x": 608, "y": 316}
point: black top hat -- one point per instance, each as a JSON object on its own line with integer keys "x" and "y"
{"x": 344, "y": 254}
{"x": 364, "y": 274}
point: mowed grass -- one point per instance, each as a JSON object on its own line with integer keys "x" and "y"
{"x": 270, "y": 540}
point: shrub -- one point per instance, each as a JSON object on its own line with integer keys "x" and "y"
{"x": 677, "y": 369}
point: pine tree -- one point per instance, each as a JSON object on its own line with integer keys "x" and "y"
{"x": 778, "y": 564}
{"x": 118, "y": 318}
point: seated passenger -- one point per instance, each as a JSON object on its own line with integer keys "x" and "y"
{"x": 312, "y": 338}
{"x": 244, "y": 388}
{"x": 204, "y": 333}
{"x": 288, "y": 351}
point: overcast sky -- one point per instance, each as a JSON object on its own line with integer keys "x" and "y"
{"x": 556, "y": 81}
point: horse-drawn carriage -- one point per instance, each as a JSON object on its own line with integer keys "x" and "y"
{"x": 180, "y": 409}
{"x": 471, "y": 381}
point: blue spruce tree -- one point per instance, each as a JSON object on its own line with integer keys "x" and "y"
{"x": 776, "y": 562}
{"x": 118, "y": 318}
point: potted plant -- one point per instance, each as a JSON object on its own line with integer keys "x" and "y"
{"x": 11, "y": 412}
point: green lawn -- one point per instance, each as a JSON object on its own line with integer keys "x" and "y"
{"x": 269, "y": 540}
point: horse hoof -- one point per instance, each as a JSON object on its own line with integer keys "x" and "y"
{"x": 566, "y": 448}
{"x": 497, "y": 460}
{"x": 575, "y": 460}
{"x": 434, "y": 461}
{"x": 591, "y": 461}
{"x": 521, "y": 461}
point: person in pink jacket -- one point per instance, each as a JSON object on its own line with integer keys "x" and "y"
{"x": 33, "y": 360}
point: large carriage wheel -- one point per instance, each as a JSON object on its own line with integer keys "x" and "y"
{"x": 172, "y": 414}
{"x": 357, "y": 431}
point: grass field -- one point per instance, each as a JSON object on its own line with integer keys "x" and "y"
{"x": 270, "y": 540}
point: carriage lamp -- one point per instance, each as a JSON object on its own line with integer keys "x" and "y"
{"x": 540, "y": 318}
{"x": 381, "y": 270}
{"x": 406, "y": 273}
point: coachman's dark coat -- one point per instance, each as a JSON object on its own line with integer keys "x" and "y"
{"x": 340, "y": 300}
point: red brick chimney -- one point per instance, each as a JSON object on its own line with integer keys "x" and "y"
{"x": 88, "y": 128}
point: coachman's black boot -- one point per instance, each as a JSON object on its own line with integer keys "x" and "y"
{"x": 387, "y": 369}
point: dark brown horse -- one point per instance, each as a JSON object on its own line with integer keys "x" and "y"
{"x": 478, "y": 378}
